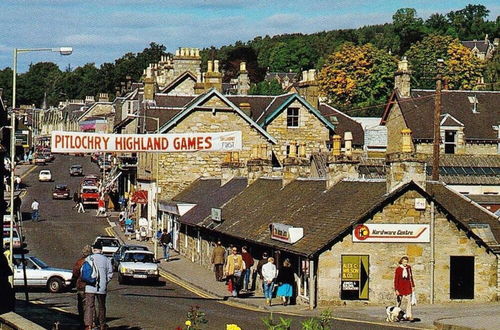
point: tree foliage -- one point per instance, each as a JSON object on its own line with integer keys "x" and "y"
{"x": 266, "y": 87}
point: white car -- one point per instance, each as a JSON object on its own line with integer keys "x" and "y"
{"x": 45, "y": 176}
{"x": 38, "y": 274}
{"x": 138, "y": 265}
{"x": 110, "y": 245}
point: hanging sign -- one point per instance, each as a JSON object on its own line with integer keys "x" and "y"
{"x": 390, "y": 233}
{"x": 216, "y": 214}
{"x": 355, "y": 277}
{"x": 140, "y": 197}
{"x": 81, "y": 142}
{"x": 286, "y": 233}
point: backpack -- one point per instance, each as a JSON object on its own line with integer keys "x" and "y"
{"x": 89, "y": 273}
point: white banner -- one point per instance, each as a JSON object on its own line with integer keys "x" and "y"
{"x": 399, "y": 233}
{"x": 79, "y": 142}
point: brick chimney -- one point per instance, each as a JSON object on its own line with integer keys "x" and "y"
{"x": 295, "y": 165}
{"x": 340, "y": 166}
{"x": 103, "y": 97}
{"x": 232, "y": 167}
{"x": 405, "y": 166}
{"x": 213, "y": 78}
{"x": 402, "y": 78}
{"x": 260, "y": 164}
{"x": 243, "y": 80}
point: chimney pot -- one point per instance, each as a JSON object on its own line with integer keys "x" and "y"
{"x": 210, "y": 66}
{"x": 348, "y": 143}
{"x": 336, "y": 145}
{"x": 406, "y": 140}
{"x": 243, "y": 66}
{"x": 304, "y": 75}
{"x": 311, "y": 75}
{"x": 216, "y": 65}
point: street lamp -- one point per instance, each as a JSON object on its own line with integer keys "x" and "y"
{"x": 155, "y": 227}
{"x": 62, "y": 51}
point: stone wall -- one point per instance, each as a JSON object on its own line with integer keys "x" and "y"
{"x": 383, "y": 258}
{"x": 186, "y": 87}
{"x": 310, "y": 131}
{"x": 470, "y": 148}
{"x": 395, "y": 123}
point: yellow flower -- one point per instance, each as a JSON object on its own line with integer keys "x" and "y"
{"x": 188, "y": 323}
{"x": 232, "y": 327}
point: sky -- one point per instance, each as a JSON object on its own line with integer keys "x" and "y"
{"x": 103, "y": 30}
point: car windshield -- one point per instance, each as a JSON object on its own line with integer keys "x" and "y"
{"x": 138, "y": 257}
{"x": 76, "y": 167}
{"x": 45, "y": 172}
{"x": 135, "y": 248}
{"x": 61, "y": 187}
{"x": 6, "y": 233}
{"x": 110, "y": 242}
{"x": 89, "y": 190}
{"x": 39, "y": 262}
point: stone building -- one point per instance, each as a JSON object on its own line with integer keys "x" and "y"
{"x": 469, "y": 119}
{"x": 482, "y": 49}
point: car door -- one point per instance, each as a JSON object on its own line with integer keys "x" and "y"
{"x": 33, "y": 273}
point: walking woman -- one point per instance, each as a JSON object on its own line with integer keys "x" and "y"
{"x": 269, "y": 273}
{"x": 285, "y": 280}
{"x": 234, "y": 269}
{"x": 404, "y": 285}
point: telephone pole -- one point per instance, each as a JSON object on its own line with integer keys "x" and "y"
{"x": 437, "y": 124}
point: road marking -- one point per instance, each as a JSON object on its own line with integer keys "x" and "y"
{"x": 109, "y": 231}
{"x": 28, "y": 172}
{"x": 39, "y": 302}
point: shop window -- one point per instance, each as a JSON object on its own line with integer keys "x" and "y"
{"x": 292, "y": 117}
{"x": 355, "y": 277}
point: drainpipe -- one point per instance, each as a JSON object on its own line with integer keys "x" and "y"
{"x": 433, "y": 261}
{"x": 312, "y": 284}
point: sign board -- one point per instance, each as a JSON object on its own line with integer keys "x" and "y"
{"x": 81, "y": 142}
{"x": 140, "y": 197}
{"x": 286, "y": 233}
{"x": 420, "y": 203}
{"x": 355, "y": 277}
{"x": 391, "y": 233}
{"x": 216, "y": 214}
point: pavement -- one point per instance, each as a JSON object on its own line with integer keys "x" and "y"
{"x": 201, "y": 281}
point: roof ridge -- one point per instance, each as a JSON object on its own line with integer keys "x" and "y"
{"x": 453, "y": 90}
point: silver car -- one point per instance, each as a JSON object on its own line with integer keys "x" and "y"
{"x": 38, "y": 274}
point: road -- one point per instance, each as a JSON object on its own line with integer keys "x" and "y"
{"x": 62, "y": 232}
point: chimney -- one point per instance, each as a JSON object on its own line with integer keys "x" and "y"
{"x": 348, "y": 143}
{"x": 103, "y": 97}
{"x": 216, "y": 65}
{"x": 294, "y": 167}
{"x": 405, "y": 166}
{"x": 337, "y": 143}
{"x": 213, "y": 78}
{"x": 243, "y": 80}
{"x": 245, "y": 107}
{"x": 259, "y": 165}
{"x": 89, "y": 99}
{"x": 210, "y": 66}
{"x": 308, "y": 87}
{"x": 402, "y": 78}
{"x": 149, "y": 85}
{"x": 231, "y": 167}
{"x": 340, "y": 166}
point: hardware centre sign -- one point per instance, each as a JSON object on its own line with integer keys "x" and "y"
{"x": 391, "y": 233}
{"x": 66, "y": 142}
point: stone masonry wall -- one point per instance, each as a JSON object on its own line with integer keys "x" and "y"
{"x": 184, "y": 88}
{"x": 395, "y": 123}
{"x": 470, "y": 149}
{"x": 311, "y": 131}
{"x": 383, "y": 258}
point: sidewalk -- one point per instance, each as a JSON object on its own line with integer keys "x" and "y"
{"x": 459, "y": 316}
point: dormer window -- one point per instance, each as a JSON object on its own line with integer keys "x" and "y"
{"x": 292, "y": 117}
{"x": 450, "y": 141}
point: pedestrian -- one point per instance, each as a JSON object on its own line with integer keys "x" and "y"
{"x": 234, "y": 270}
{"x": 166, "y": 240}
{"x": 75, "y": 200}
{"x": 286, "y": 281}
{"x": 6, "y": 183}
{"x": 218, "y": 259}
{"x": 269, "y": 273}
{"x": 122, "y": 202}
{"x": 18, "y": 182}
{"x": 248, "y": 259}
{"x": 99, "y": 291}
{"x": 78, "y": 283}
{"x": 8, "y": 301}
{"x": 404, "y": 285}
{"x": 101, "y": 208}
{"x": 35, "y": 210}
{"x": 81, "y": 208}
{"x": 261, "y": 263}
{"x": 129, "y": 225}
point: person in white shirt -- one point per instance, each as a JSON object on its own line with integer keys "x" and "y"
{"x": 35, "y": 210}
{"x": 269, "y": 273}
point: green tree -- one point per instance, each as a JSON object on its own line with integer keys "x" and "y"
{"x": 492, "y": 73}
{"x": 470, "y": 22}
{"x": 265, "y": 87}
{"x": 408, "y": 27}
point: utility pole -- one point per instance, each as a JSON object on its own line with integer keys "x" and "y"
{"x": 437, "y": 124}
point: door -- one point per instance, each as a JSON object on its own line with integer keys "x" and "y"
{"x": 461, "y": 277}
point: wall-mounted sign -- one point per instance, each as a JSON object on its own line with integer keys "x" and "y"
{"x": 66, "y": 142}
{"x": 420, "y": 203}
{"x": 216, "y": 214}
{"x": 286, "y": 233}
{"x": 369, "y": 233}
{"x": 140, "y": 197}
{"x": 355, "y": 277}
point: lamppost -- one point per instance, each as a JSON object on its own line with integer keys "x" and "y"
{"x": 62, "y": 51}
{"x": 155, "y": 227}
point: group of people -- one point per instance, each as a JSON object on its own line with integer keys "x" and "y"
{"x": 87, "y": 294}
{"x": 236, "y": 270}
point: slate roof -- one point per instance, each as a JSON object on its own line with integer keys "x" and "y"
{"x": 206, "y": 194}
{"x": 485, "y": 199}
{"x": 172, "y": 101}
{"x": 258, "y": 104}
{"x": 418, "y": 113}
{"x": 344, "y": 124}
{"x": 481, "y": 45}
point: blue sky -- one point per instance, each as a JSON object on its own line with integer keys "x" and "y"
{"x": 103, "y": 30}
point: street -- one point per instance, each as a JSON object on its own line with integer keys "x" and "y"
{"x": 58, "y": 239}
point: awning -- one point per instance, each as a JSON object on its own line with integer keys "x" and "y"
{"x": 140, "y": 197}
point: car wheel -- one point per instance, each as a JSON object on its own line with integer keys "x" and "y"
{"x": 55, "y": 284}
{"x": 121, "y": 280}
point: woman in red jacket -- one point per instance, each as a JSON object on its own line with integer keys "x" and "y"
{"x": 404, "y": 285}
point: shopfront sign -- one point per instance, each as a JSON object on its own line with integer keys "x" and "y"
{"x": 81, "y": 142}
{"x": 286, "y": 233}
{"x": 355, "y": 277}
{"x": 391, "y": 233}
{"x": 140, "y": 197}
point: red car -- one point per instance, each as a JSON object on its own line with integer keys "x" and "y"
{"x": 61, "y": 191}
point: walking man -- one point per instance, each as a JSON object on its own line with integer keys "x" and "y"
{"x": 218, "y": 258}
{"x": 35, "y": 210}
{"x": 269, "y": 272}
{"x": 18, "y": 182}
{"x": 78, "y": 283}
{"x": 99, "y": 291}
{"x": 248, "y": 259}
{"x": 75, "y": 200}
{"x": 166, "y": 240}
{"x": 81, "y": 209}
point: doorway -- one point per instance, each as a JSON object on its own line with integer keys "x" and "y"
{"x": 461, "y": 277}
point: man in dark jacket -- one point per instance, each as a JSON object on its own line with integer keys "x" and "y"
{"x": 166, "y": 240}
{"x": 218, "y": 259}
{"x": 248, "y": 259}
{"x": 77, "y": 282}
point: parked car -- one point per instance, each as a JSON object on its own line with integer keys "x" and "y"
{"x": 39, "y": 274}
{"x": 76, "y": 170}
{"x": 45, "y": 176}
{"x": 138, "y": 265}
{"x": 118, "y": 255}
{"x": 110, "y": 245}
{"x": 89, "y": 195}
{"x": 17, "y": 239}
{"x": 61, "y": 191}
{"x": 90, "y": 180}
{"x": 48, "y": 156}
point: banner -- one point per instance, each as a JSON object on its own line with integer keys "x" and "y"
{"x": 391, "y": 233}
{"x": 79, "y": 142}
